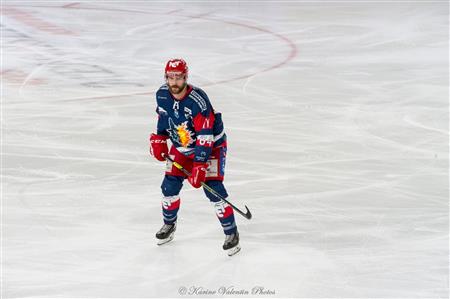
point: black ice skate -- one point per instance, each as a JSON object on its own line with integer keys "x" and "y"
{"x": 166, "y": 233}
{"x": 231, "y": 244}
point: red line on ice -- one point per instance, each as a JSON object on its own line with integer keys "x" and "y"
{"x": 35, "y": 22}
{"x": 292, "y": 53}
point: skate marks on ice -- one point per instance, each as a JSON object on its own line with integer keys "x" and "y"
{"x": 341, "y": 152}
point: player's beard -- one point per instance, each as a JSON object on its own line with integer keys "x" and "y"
{"x": 175, "y": 89}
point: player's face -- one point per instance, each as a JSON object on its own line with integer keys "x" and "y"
{"x": 176, "y": 82}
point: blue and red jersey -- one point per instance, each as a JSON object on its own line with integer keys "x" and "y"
{"x": 191, "y": 123}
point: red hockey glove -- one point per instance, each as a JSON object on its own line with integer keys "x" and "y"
{"x": 158, "y": 147}
{"x": 198, "y": 175}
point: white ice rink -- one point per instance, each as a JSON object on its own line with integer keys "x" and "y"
{"x": 337, "y": 118}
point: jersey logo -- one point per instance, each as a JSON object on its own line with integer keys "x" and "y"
{"x": 187, "y": 112}
{"x": 181, "y": 133}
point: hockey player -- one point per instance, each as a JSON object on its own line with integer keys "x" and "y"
{"x": 187, "y": 118}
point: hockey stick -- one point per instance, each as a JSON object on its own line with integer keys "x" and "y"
{"x": 247, "y": 215}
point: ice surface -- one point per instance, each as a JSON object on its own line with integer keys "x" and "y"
{"x": 337, "y": 117}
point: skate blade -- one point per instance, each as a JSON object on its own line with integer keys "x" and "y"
{"x": 166, "y": 240}
{"x": 234, "y": 250}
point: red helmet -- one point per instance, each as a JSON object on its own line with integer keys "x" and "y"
{"x": 176, "y": 66}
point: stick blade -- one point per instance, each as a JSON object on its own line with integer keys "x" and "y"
{"x": 248, "y": 214}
